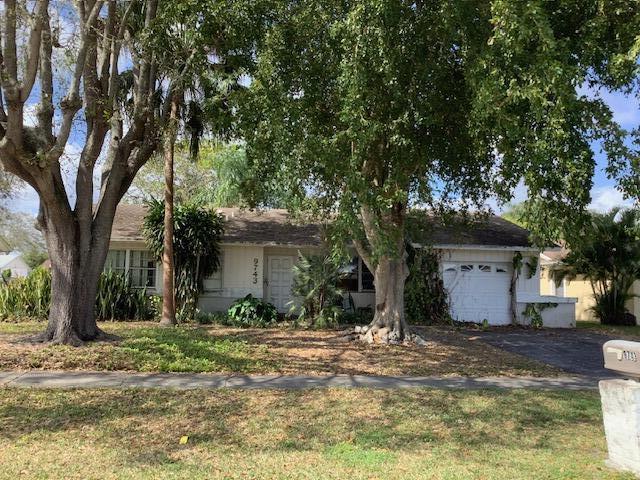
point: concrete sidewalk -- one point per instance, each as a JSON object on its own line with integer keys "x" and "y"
{"x": 52, "y": 379}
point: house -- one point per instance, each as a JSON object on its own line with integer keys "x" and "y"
{"x": 259, "y": 250}
{"x": 14, "y": 263}
{"x": 4, "y": 246}
{"x": 578, "y": 288}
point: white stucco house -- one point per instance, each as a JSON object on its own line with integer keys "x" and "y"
{"x": 260, "y": 248}
{"x": 14, "y": 262}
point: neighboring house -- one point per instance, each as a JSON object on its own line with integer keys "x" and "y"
{"x": 259, "y": 250}
{"x": 4, "y": 246}
{"x": 579, "y": 288}
{"x": 15, "y": 263}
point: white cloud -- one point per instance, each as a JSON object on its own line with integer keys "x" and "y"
{"x": 604, "y": 199}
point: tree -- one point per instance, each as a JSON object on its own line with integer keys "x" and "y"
{"x": 365, "y": 109}
{"x": 315, "y": 284}
{"x": 607, "y": 253}
{"x": 203, "y": 49}
{"x": 113, "y": 89}
{"x": 214, "y": 178}
{"x": 196, "y": 246}
{"x": 19, "y": 233}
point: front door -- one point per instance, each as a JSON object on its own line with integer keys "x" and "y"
{"x": 280, "y": 278}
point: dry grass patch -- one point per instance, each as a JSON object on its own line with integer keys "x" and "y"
{"x": 311, "y": 434}
{"x": 149, "y": 348}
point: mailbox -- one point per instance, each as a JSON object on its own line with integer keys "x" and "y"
{"x": 623, "y": 357}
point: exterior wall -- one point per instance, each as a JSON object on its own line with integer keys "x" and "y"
{"x": 18, "y": 268}
{"x": 634, "y": 303}
{"x": 242, "y": 274}
{"x": 582, "y": 291}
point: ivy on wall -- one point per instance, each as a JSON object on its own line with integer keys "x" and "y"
{"x": 426, "y": 301}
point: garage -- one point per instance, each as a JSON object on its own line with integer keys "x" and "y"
{"x": 479, "y": 291}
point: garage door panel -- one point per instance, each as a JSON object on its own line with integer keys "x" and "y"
{"x": 479, "y": 291}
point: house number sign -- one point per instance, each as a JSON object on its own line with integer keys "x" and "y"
{"x": 255, "y": 271}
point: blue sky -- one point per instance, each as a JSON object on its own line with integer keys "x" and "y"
{"x": 626, "y": 110}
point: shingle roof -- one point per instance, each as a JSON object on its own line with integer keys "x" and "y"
{"x": 274, "y": 227}
{"x": 269, "y": 227}
{"x": 4, "y": 245}
{"x": 8, "y": 258}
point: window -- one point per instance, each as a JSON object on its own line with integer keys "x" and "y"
{"x": 466, "y": 268}
{"x": 116, "y": 261}
{"x": 142, "y": 269}
{"x": 214, "y": 281}
{"x": 484, "y": 268}
{"x": 367, "y": 278}
{"x": 501, "y": 270}
{"x": 450, "y": 267}
{"x": 349, "y": 280}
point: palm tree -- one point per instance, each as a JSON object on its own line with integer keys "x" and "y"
{"x": 607, "y": 254}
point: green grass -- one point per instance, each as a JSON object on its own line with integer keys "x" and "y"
{"x": 311, "y": 434}
{"x": 615, "y": 330}
{"x": 144, "y": 348}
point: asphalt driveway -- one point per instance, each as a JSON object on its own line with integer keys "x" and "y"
{"x": 574, "y": 351}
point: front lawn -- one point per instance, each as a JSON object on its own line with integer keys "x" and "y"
{"x": 627, "y": 332}
{"x": 148, "y": 348}
{"x": 312, "y": 434}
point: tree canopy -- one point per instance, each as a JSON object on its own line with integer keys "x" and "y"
{"x": 606, "y": 253}
{"x": 369, "y": 108}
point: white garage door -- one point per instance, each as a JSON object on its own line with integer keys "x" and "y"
{"x": 479, "y": 291}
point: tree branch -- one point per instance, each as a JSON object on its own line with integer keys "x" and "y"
{"x": 33, "y": 53}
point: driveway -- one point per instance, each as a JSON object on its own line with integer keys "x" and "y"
{"x": 574, "y": 351}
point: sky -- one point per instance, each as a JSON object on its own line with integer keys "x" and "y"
{"x": 626, "y": 110}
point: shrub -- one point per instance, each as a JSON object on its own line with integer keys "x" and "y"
{"x": 117, "y": 299}
{"x": 424, "y": 295}
{"x": 209, "y": 318}
{"x": 196, "y": 249}
{"x": 315, "y": 283}
{"x": 30, "y": 297}
{"x": 252, "y": 312}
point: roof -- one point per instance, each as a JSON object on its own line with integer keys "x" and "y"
{"x": 275, "y": 227}
{"x": 268, "y": 227}
{"x": 472, "y": 230}
{"x": 6, "y": 259}
{"x": 556, "y": 255}
{"x": 4, "y": 245}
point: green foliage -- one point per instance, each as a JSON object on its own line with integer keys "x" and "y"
{"x": 315, "y": 284}
{"x": 20, "y": 234}
{"x": 252, "y": 312}
{"x": 532, "y": 266}
{"x": 374, "y": 106}
{"x": 533, "y": 311}
{"x": 425, "y": 297}
{"x": 196, "y": 247}
{"x": 118, "y": 300}
{"x": 606, "y": 251}
{"x": 30, "y": 297}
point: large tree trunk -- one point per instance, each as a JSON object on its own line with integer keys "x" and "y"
{"x": 77, "y": 259}
{"x": 384, "y": 231}
{"x": 389, "y": 279}
{"x": 168, "y": 282}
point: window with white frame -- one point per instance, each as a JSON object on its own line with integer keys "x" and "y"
{"x": 356, "y": 277}
{"x": 142, "y": 269}
{"x": 213, "y": 282}
{"x": 116, "y": 261}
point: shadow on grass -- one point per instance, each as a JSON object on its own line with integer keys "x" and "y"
{"x": 351, "y": 425}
